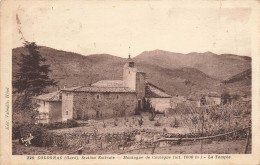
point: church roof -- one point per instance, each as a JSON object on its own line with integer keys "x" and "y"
{"x": 54, "y": 96}
{"x": 108, "y": 83}
{"x": 97, "y": 89}
{"x": 152, "y": 91}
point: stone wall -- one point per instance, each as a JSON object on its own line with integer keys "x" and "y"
{"x": 161, "y": 104}
{"x": 102, "y": 105}
{"x": 140, "y": 85}
{"x": 67, "y": 106}
{"x": 55, "y": 113}
{"x": 93, "y": 141}
{"x": 43, "y": 110}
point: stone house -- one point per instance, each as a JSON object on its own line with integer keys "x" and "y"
{"x": 97, "y": 102}
{"x": 110, "y": 98}
{"x": 50, "y": 107}
{"x": 157, "y": 97}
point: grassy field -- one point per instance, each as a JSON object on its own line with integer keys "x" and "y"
{"x": 128, "y": 124}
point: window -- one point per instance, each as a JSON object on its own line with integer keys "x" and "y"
{"x": 67, "y": 112}
{"x": 117, "y": 96}
{"x": 60, "y": 97}
{"x": 98, "y": 97}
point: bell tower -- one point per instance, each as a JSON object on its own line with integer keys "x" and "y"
{"x": 135, "y": 80}
{"x": 130, "y": 61}
{"x": 129, "y": 73}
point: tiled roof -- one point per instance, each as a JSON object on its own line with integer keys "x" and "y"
{"x": 108, "y": 83}
{"x": 100, "y": 89}
{"x": 54, "y": 96}
{"x": 152, "y": 91}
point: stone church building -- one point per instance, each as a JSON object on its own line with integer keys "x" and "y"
{"x": 103, "y": 99}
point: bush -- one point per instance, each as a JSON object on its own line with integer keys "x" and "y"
{"x": 140, "y": 122}
{"x": 39, "y": 134}
{"x": 20, "y": 119}
{"x": 157, "y": 124}
{"x": 115, "y": 123}
{"x": 175, "y": 123}
{"x": 153, "y": 114}
{"x": 72, "y": 123}
{"x": 86, "y": 118}
{"x": 59, "y": 125}
{"x": 126, "y": 119}
{"x": 165, "y": 130}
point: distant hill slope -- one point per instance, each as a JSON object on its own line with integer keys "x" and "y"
{"x": 240, "y": 83}
{"x": 216, "y": 66}
{"x": 72, "y": 69}
{"x": 247, "y": 74}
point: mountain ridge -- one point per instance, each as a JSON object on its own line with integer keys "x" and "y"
{"x": 73, "y": 69}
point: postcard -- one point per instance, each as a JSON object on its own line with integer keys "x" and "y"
{"x": 130, "y": 82}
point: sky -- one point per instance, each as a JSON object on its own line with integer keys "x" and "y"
{"x": 96, "y": 27}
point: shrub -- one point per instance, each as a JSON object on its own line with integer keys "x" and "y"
{"x": 126, "y": 119}
{"x": 133, "y": 120}
{"x": 153, "y": 114}
{"x": 20, "y": 119}
{"x": 140, "y": 122}
{"x": 40, "y": 135}
{"x": 165, "y": 130}
{"x": 157, "y": 124}
{"x": 115, "y": 123}
{"x": 72, "y": 123}
{"x": 175, "y": 123}
{"x": 86, "y": 118}
{"x": 59, "y": 125}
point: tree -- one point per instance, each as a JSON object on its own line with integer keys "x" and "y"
{"x": 225, "y": 98}
{"x": 32, "y": 77}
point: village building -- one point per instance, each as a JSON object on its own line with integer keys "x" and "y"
{"x": 157, "y": 97}
{"x": 105, "y": 98}
{"x": 49, "y": 107}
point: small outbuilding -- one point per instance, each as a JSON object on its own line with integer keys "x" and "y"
{"x": 158, "y": 98}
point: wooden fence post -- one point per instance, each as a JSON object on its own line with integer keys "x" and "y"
{"x": 153, "y": 148}
{"x": 201, "y": 146}
{"x": 247, "y": 142}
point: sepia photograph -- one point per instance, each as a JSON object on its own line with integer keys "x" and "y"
{"x": 129, "y": 78}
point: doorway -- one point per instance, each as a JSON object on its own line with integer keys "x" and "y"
{"x": 79, "y": 114}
